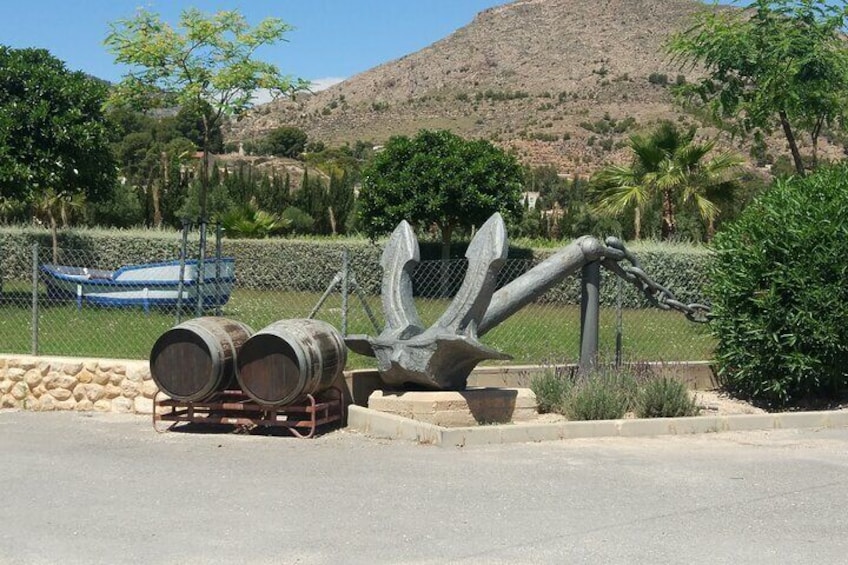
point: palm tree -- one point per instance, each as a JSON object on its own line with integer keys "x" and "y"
{"x": 52, "y": 206}
{"x": 669, "y": 164}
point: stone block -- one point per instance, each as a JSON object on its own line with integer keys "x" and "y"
{"x": 15, "y": 374}
{"x": 71, "y": 369}
{"x": 33, "y": 378}
{"x": 67, "y": 404}
{"x": 142, "y": 405}
{"x": 130, "y": 389}
{"x": 470, "y": 407}
{"x": 111, "y": 391}
{"x": 57, "y": 380}
{"x": 115, "y": 378}
{"x": 89, "y": 391}
{"x": 149, "y": 389}
{"x": 100, "y": 378}
{"x": 8, "y": 401}
{"x": 19, "y": 391}
{"x": 84, "y": 405}
{"x": 122, "y": 404}
{"x": 6, "y": 385}
{"x": 138, "y": 373}
{"x": 60, "y": 394}
{"x": 85, "y": 376}
{"x": 103, "y": 406}
{"x": 32, "y": 403}
{"x": 48, "y": 403}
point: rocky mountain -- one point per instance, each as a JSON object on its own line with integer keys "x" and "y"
{"x": 561, "y": 82}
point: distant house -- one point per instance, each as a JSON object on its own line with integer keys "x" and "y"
{"x": 530, "y": 198}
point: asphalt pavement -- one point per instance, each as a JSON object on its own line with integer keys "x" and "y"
{"x": 91, "y": 488}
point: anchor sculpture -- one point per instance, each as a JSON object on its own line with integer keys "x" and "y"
{"x": 443, "y": 355}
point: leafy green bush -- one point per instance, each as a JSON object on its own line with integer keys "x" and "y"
{"x": 665, "y": 397}
{"x": 601, "y": 395}
{"x": 779, "y": 288}
{"x": 297, "y": 219}
{"x": 550, "y": 388}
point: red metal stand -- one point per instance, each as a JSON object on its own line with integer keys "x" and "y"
{"x": 302, "y": 418}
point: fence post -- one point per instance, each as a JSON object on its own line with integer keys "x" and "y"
{"x": 218, "y": 251}
{"x": 201, "y": 257}
{"x": 345, "y": 289}
{"x": 35, "y": 299}
{"x": 589, "y": 315}
{"x": 619, "y": 325}
{"x": 181, "y": 283}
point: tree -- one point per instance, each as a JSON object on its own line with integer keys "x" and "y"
{"x": 779, "y": 62}
{"x": 150, "y": 152}
{"x": 437, "y": 178}
{"x": 209, "y": 62}
{"x": 189, "y": 123}
{"x": 286, "y": 141}
{"x": 666, "y": 163}
{"x": 52, "y": 134}
{"x": 53, "y": 141}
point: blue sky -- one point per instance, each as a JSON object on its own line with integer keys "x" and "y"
{"x": 333, "y": 38}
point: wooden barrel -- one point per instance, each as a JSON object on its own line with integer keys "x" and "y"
{"x": 196, "y": 359}
{"x": 290, "y": 358}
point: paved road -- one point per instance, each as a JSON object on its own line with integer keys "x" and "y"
{"x": 106, "y": 489}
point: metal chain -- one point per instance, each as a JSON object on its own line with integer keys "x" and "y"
{"x": 658, "y": 295}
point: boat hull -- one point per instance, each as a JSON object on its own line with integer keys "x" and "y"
{"x": 149, "y": 285}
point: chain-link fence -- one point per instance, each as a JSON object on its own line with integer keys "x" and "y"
{"x": 65, "y": 303}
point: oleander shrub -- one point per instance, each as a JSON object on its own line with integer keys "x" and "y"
{"x": 664, "y": 397}
{"x": 779, "y": 291}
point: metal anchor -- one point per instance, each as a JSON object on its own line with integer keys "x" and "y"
{"x": 443, "y": 355}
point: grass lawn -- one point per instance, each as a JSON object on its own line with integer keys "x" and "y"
{"x": 535, "y": 334}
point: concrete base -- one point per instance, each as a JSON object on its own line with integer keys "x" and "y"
{"x": 470, "y": 407}
{"x": 389, "y": 426}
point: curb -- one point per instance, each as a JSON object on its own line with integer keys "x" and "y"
{"x": 389, "y": 426}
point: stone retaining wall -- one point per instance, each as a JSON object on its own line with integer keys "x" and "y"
{"x": 71, "y": 383}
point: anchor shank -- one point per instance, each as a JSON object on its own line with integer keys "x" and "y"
{"x": 538, "y": 280}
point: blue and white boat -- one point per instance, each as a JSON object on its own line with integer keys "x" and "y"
{"x": 147, "y": 285}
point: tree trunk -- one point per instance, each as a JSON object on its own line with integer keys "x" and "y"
{"x": 332, "y": 215}
{"x": 793, "y": 145}
{"x": 204, "y": 170}
{"x": 54, "y": 234}
{"x": 157, "y": 189}
{"x": 637, "y": 224}
{"x": 669, "y": 226}
{"x": 447, "y": 233}
{"x": 814, "y": 135}
{"x": 63, "y": 212}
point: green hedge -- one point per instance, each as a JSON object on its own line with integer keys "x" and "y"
{"x": 309, "y": 264}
